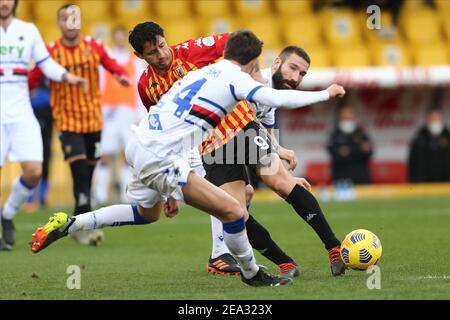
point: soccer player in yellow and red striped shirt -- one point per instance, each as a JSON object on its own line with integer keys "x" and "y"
{"x": 167, "y": 64}
{"x": 77, "y": 114}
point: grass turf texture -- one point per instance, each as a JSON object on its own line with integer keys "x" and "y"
{"x": 167, "y": 260}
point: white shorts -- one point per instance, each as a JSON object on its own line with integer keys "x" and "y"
{"x": 116, "y": 128}
{"x": 21, "y": 141}
{"x": 154, "y": 178}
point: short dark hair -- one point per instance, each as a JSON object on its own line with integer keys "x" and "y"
{"x": 243, "y": 46}
{"x": 64, "y": 7}
{"x": 144, "y": 32}
{"x": 297, "y": 50}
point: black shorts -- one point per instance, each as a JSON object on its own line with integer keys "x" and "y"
{"x": 248, "y": 150}
{"x": 75, "y": 144}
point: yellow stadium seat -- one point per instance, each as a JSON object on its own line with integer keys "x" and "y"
{"x": 446, "y": 28}
{"x": 268, "y": 55}
{"x": 354, "y": 56}
{"x": 431, "y": 55}
{"x": 212, "y": 8}
{"x": 252, "y": 8}
{"x": 388, "y": 31}
{"x": 340, "y": 27}
{"x": 293, "y": 8}
{"x": 319, "y": 55}
{"x": 100, "y": 30}
{"x": 421, "y": 26}
{"x": 304, "y": 31}
{"x": 46, "y": 10}
{"x": 135, "y": 11}
{"x": 217, "y": 25}
{"x": 443, "y": 5}
{"x": 393, "y": 54}
{"x": 49, "y": 31}
{"x": 24, "y": 10}
{"x": 95, "y": 10}
{"x": 267, "y": 29}
{"x": 180, "y": 30}
{"x": 173, "y": 9}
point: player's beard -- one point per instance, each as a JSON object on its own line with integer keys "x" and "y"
{"x": 5, "y": 17}
{"x": 280, "y": 83}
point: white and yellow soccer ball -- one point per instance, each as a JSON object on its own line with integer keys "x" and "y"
{"x": 360, "y": 249}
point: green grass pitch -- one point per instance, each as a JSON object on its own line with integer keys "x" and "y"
{"x": 167, "y": 260}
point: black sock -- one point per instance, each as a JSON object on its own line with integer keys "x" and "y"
{"x": 260, "y": 240}
{"x": 81, "y": 190}
{"x": 91, "y": 173}
{"x": 308, "y": 208}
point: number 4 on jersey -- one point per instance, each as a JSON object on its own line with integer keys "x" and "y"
{"x": 184, "y": 103}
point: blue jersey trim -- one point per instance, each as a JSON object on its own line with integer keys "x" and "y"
{"x": 270, "y": 126}
{"x": 213, "y": 104}
{"x": 233, "y": 93}
{"x": 195, "y": 124}
{"x": 40, "y": 61}
{"x": 252, "y": 93}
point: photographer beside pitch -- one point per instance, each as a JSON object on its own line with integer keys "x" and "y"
{"x": 161, "y": 171}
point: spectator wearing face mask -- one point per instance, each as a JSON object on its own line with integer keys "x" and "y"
{"x": 350, "y": 149}
{"x": 429, "y": 157}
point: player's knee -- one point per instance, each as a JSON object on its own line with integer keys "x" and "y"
{"x": 249, "y": 192}
{"x": 232, "y": 211}
{"x": 281, "y": 186}
{"x": 32, "y": 174}
{"x": 151, "y": 215}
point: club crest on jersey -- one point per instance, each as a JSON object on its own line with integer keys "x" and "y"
{"x": 153, "y": 122}
{"x": 180, "y": 71}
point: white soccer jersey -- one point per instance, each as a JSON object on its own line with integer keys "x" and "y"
{"x": 20, "y": 43}
{"x": 197, "y": 103}
{"x": 266, "y": 114}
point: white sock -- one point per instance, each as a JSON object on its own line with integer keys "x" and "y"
{"x": 19, "y": 194}
{"x": 218, "y": 244}
{"x": 102, "y": 178}
{"x": 235, "y": 236}
{"x": 124, "y": 179}
{"x": 113, "y": 216}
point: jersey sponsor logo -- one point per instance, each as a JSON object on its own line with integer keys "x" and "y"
{"x": 5, "y": 50}
{"x": 208, "y": 41}
{"x": 153, "y": 122}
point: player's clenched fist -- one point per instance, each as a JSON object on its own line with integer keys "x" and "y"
{"x": 336, "y": 90}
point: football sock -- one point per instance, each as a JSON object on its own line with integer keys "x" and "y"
{"x": 235, "y": 236}
{"x": 91, "y": 169}
{"x": 261, "y": 240}
{"x": 101, "y": 183}
{"x": 21, "y": 191}
{"x": 81, "y": 186}
{"x": 308, "y": 208}
{"x": 218, "y": 244}
{"x": 112, "y": 216}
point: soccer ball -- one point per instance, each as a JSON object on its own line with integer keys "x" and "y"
{"x": 360, "y": 249}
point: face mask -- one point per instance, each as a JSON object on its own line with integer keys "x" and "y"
{"x": 347, "y": 126}
{"x": 436, "y": 128}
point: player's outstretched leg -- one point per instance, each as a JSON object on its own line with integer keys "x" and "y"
{"x": 307, "y": 207}
{"x": 60, "y": 225}
{"x": 203, "y": 195}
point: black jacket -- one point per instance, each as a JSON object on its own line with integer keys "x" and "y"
{"x": 355, "y": 165}
{"x": 429, "y": 157}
